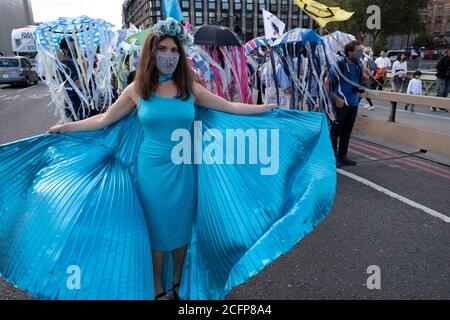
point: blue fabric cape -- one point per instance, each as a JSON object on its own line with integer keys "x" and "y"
{"x": 72, "y": 226}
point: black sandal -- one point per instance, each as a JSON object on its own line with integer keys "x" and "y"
{"x": 175, "y": 294}
{"x": 159, "y": 296}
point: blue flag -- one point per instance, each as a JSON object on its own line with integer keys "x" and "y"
{"x": 172, "y": 9}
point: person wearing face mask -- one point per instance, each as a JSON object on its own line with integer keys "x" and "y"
{"x": 346, "y": 80}
{"x": 164, "y": 92}
{"x": 144, "y": 199}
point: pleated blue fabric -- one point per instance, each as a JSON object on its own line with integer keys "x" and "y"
{"x": 69, "y": 207}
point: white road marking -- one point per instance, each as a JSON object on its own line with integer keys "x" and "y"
{"x": 22, "y": 90}
{"x": 394, "y": 195}
{"x": 362, "y": 154}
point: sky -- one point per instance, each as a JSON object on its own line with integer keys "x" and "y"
{"x": 48, "y": 10}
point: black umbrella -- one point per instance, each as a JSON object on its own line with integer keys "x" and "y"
{"x": 212, "y": 35}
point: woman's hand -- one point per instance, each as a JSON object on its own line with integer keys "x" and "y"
{"x": 268, "y": 107}
{"x": 58, "y": 128}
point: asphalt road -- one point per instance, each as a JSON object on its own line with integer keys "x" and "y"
{"x": 392, "y": 211}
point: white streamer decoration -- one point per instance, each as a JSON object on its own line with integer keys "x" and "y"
{"x": 94, "y": 40}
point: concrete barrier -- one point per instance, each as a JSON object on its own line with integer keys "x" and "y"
{"x": 401, "y": 134}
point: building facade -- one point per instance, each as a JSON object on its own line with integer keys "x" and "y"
{"x": 243, "y": 16}
{"x": 13, "y": 13}
{"x": 437, "y": 19}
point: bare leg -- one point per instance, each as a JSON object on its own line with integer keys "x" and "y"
{"x": 158, "y": 260}
{"x": 178, "y": 261}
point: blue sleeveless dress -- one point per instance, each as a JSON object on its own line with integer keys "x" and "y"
{"x": 167, "y": 190}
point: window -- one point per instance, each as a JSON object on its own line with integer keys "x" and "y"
{"x": 273, "y": 8}
{"x": 10, "y": 62}
{"x": 249, "y": 5}
{"x": 198, "y": 18}
{"x": 198, "y": 4}
{"x": 212, "y": 5}
{"x": 185, "y": 4}
{"x": 261, "y": 5}
{"x": 238, "y": 5}
{"x": 225, "y": 5}
{"x": 25, "y": 63}
{"x": 305, "y": 21}
{"x": 212, "y": 18}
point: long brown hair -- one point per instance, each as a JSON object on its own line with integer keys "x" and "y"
{"x": 147, "y": 73}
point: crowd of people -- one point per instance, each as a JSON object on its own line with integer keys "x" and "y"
{"x": 273, "y": 84}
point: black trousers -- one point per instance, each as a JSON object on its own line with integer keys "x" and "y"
{"x": 341, "y": 129}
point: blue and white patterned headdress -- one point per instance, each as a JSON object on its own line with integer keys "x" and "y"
{"x": 173, "y": 28}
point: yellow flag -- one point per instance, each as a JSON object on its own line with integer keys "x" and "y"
{"x": 323, "y": 14}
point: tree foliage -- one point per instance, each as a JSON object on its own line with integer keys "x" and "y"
{"x": 398, "y": 17}
{"x": 425, "y": 40}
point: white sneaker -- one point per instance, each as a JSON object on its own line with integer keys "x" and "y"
{"x": 371, "y": 108}
{"x": 366, "y": 106}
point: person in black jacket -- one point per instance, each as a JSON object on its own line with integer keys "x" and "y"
{"x": 443, "y": 77}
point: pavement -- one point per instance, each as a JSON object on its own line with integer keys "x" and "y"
{"x": 392, "y": 211}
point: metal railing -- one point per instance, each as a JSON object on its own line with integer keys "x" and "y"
{"x": 428, "y": 78}
{"x": 395, "y": 98}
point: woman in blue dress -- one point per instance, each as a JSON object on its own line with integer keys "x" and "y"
{"x": 164, "y": 93}
{"x": 102, "y": 209}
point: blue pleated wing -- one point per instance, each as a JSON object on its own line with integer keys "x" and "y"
{"x": 71, "y": 225}
{"x": 245, "y": 219}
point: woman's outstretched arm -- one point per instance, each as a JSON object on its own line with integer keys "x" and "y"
{"x": 122, "y": 107}
{"x": 205, "y": 98}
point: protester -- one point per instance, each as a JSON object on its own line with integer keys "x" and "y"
{"x": 399, "y": 73}
{"x": 414, "y": 87}
{"x": 371, "y": 67}
{"x": 268, "y": 87}
{"x": 346, "y": 95}
{"x": 69, "y": 62}
{"x": 383, "y": 64}
{"x": 443, "y": 77}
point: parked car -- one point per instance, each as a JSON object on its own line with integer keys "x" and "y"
{"x": 17, "y": 71}
{"x": 393, "y": 54}
{"x": 433, "y": 54}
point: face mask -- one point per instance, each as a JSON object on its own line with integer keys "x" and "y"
{"x": 357, "y": 56}
{"x": 167, "y": 62}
